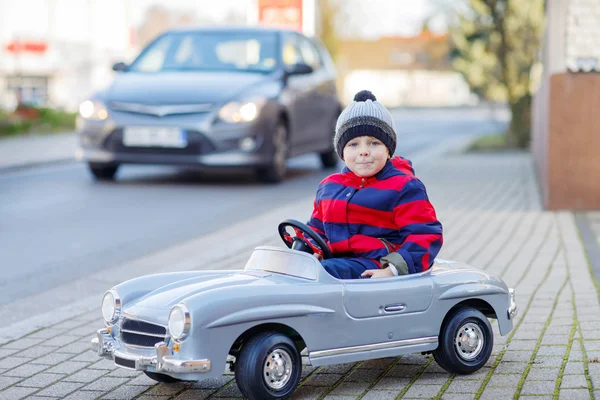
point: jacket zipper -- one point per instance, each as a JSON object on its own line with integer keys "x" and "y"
{"x": 362, "y": 184}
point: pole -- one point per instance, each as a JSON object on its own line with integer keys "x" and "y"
{"x": 129, "y": 31}
{"x": 50, "y": 39}
{"x": 252, "y": 12}
{"x": 308, "y": 17}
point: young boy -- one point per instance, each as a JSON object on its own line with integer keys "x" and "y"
{"x": 375, "y": 215}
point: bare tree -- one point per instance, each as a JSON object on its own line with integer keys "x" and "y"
{"x": 495, "y": 48}
{"x": 329, "y": 15}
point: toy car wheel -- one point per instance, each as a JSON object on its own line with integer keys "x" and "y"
{"x": 161, "y": 377}
{"x": 466, "y": 342}
{"x": 268, "y": 367}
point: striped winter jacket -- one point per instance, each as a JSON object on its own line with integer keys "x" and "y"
{"x": 371, "y": 217}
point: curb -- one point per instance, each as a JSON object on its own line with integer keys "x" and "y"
{"x": 36, "y": 164}
{"x": 35, "y": 150}
{"x": 591, "y": 247}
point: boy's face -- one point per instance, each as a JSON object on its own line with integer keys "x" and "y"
{"x": 365, "y": 155}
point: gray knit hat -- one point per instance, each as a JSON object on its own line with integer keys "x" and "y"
{"x": 365, "y": 116}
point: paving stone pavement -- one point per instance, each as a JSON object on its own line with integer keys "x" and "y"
{"x": 491, "y": 213}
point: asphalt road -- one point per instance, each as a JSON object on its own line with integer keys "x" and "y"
{"x": 57, "y": 224}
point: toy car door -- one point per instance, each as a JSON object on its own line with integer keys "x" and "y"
{"x": 389, "y": 307}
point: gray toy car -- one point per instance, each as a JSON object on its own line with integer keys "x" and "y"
{"x": 191, "y": 325}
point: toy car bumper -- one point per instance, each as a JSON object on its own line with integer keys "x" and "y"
{"x": 106, "y": 346}
{"x": 512, "y": 309}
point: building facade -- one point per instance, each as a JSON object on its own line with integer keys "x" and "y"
{"x": 412, "y": 71}
{"x": 61, "y": 53}
{"x": 565, "y": 117}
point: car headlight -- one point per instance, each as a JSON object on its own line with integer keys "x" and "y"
{"x": 179, "y": 322}
{"x": 93, "y": 110}
{"x": 242, "y": 111}
{"x": 111, "y": 306}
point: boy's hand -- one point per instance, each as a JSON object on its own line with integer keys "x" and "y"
{"x": 378, "y": 273}
{"x": 319, "y": 256}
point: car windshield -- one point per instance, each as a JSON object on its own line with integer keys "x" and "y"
{"x": 282, "y": 261}
{"x": 210, "y": 51}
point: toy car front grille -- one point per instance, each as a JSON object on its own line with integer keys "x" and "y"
{"x": 141, "y": 333}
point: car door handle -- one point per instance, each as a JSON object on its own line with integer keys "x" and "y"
{"x": 394, "y": 307}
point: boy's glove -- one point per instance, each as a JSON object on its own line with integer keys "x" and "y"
{"x": 396, "y": 262}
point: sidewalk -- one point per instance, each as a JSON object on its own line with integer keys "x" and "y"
{"x": 30, "y": 150}
{"x": 491, "y": 213}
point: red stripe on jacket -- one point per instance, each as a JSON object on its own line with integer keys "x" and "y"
{"x": 415, "y": 212}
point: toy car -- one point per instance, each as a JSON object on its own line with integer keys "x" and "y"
{"x": 191, "y": 325}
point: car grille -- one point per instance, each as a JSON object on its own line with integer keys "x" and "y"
{"x": 197, "y": 144}
{"x": 141, "y": 333}
{"x": 160, "y": 110}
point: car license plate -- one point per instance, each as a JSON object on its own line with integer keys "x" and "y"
{"x": 142, "y": 136}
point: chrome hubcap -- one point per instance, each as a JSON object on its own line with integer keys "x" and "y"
{"x": 469, "y": 341}
{"x": 278, "y": 369}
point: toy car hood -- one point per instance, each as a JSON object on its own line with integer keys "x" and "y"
{"x": 162, "y": 299}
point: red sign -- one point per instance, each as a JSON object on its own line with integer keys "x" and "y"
{"x": 26, "y": 47}
{"x": 280, "y": 13}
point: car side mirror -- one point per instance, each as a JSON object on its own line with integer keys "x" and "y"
{"x": 120, "y": 67}
{"x": 300, "y": 69}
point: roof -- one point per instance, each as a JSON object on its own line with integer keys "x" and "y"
{"x": 582, "y": 33}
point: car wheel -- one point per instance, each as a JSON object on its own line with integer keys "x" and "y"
{"x": 275, "y": 171}
{"x": 161, "y": 377}
{"x": 466, "y": 342}
{"x": 103, "y": 171}
{"x": 268, "y": 367}
{"x": 329, "y": 159}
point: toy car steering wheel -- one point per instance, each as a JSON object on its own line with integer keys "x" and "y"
{"x": 300, "y": 242}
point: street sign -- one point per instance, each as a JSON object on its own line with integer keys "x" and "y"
{"x": 26, "y": 46}
{"x": 281, "y": 13}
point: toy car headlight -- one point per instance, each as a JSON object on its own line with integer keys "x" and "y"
{"x": 242, "y": 111}
{"x": 179, "y": 322}
{"x": 93, "y": 110}
{"x": 111, "y": 306}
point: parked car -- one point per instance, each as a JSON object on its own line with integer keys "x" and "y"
{"x": 191, "y": 325}
{"x": 242, "y": 97}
